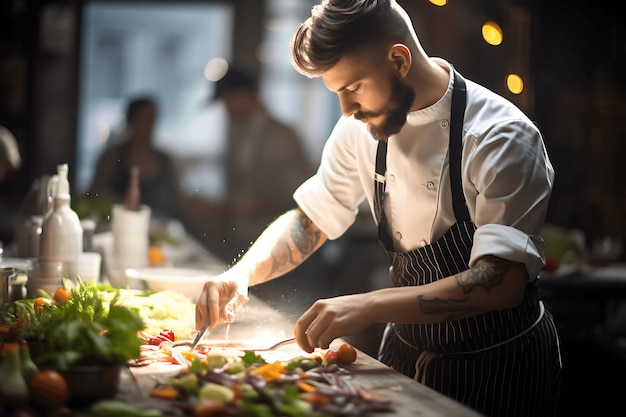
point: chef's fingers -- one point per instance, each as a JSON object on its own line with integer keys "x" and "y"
{"x": 208, "y": 305}
{"x": 309, "y": 327}
{"x": 319, "y": 332}
{"x": 199, "y": 315}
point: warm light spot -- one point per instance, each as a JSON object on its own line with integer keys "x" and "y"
{"x": 492, "y": 33}
{"x": 439, "y": 2}
{"x": 515, "y": 83}
{"x": 215, "y": 69}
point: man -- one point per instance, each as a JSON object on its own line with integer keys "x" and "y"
{"x": 264, "y": 163}
{"x": 159, "y": 180}
{"x": 458, "y": 180}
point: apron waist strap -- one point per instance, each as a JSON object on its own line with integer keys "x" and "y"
{"x": 517, "y": 336}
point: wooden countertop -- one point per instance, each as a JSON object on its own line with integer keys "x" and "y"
{"x": 253, "y": 324}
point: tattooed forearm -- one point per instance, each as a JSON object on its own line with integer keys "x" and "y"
{"x": 488, "y": 272}
{"x": 452, "y": 307}
{"x": 292, "y": 252}
{"x": 304, "y": 236}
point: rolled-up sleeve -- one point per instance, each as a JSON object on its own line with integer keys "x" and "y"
{"x": 323, "y": 209}
{"x": 509, "y": 243}
{"x": 512, "y": 178}
{"x": 332, "y": 196}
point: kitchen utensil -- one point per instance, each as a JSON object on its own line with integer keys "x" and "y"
{"x": 244, "y": 348}
{"x": 199, "y": 336}
{"x": 274, "y": 346}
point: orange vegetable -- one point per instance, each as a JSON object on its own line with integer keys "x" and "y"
{"x": 49, "y": 389}
{"x": 61, "y": 295}
{"x": 270, "y": 371}
{"x": 315, "y": 398}
{"x": 346, "y": 354}
{"x": 156, "y": 256}
{"x": 304, "y": 387}
{"x": 165, "y": 393}
{"x": 39, "y": 304}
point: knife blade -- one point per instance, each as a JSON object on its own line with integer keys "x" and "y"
{"x": 199, "y": 336}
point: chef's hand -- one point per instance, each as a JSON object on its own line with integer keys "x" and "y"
{"x": 330, "y": 318}
{"x": 220, "y": 299}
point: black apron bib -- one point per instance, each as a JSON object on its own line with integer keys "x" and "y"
{"x": 501, "y": 363}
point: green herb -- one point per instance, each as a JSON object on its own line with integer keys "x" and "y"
{"x": 85, "y": 329}
{"x": 250, "y": 358}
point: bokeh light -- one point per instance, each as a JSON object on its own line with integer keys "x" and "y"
{"x": 492, "y": 33}
{"x": 215, "y": 69}
{"x": 515, "y": 83}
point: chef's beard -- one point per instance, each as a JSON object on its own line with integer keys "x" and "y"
{"x": 394, "y": 111}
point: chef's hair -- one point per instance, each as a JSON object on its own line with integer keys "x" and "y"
{"x": 340, "y": 27}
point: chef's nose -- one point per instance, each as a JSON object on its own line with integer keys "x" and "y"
{"x": 348, "y": 105}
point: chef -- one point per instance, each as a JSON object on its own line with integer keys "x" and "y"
{"x": 458, "y": 181}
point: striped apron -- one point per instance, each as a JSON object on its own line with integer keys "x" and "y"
{"x": 501, "y": 363}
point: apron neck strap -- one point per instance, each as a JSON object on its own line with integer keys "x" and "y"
{"x": 459, "y": 94}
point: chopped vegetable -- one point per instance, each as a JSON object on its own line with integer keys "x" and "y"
{"x": 164, "y": 393}
{"x": 247, "y": 385}
{"x": 114, "y": 408}
{"x": 167, "y": 335}
{"x": 346, "y": 354}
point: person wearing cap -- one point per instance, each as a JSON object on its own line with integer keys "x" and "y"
{"x": 264, "y": 163}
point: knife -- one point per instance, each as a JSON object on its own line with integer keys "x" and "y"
{"x": 199, "y": 336}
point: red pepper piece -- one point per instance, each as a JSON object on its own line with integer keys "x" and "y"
{"x": 167, "y": 335}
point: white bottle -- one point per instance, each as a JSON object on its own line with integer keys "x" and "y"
{"x": 61, "y": 236}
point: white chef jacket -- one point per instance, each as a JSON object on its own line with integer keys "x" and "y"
{"x": 506, "y": 173}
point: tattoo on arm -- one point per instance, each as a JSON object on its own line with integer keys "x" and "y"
{"x": 453, "y": 308}
{"x": 303, "y": 235}
{"x": 305, "y": 238}
{"x": 488, "y": 272}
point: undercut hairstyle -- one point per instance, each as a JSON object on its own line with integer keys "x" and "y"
{"x": 341, "y": 27}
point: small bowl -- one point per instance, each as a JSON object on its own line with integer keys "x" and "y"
{"x": 186, "y": 281}
{"x": 85, "y": 383}
{"x": 90, "y": 383}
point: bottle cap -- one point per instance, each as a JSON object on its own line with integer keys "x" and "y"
{"x": 63, "y": 186}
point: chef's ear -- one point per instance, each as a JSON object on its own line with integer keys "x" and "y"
{"x": 400, "y": 57}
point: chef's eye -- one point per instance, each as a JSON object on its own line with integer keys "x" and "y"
{"x": 354, "y": 89}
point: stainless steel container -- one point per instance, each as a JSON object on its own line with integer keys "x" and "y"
{"x": 7, "y": 276}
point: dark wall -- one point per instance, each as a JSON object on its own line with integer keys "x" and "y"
{"x": 571, "y": 54}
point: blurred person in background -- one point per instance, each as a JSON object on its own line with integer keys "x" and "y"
{"x": 264, "y": 163}
{"x": 458, "y": 181}
{"x": 159, "y": 177}
{"x": 10, "y": 162}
